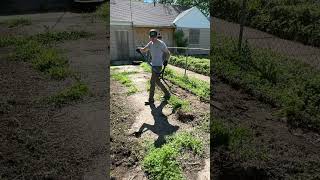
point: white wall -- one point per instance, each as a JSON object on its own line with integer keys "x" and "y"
{"x": 194, "y": 18}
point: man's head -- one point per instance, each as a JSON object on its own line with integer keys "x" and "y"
{"x": 153, "y": 34}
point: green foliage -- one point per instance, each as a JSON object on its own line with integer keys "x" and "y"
{"x": 123, "y": 78}
{"x": 74, "y": 93}
{"x": 178, "y": 103}
{"x": 180, "y": 40}
{"x": 16, "y": 22}
{"x": 161, "y": 163}
{"x": 238, "y": 140}
{"x": 294, "y": 20}
{"x": 203, "y": 5}
{"x": 198, "y": 65}
{"x": 198, "y": 87}
{"x": 186, "y": 141}
{"x": 103, "y": 11}
{"x": 36, "y": 49}
{"x": 50, "y": 37}
{"x": 275, "y": 79}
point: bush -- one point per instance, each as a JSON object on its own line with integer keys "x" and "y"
{"x": 294, "y": 20}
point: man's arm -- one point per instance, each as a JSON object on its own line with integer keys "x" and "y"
{"x": 145, "y": 49}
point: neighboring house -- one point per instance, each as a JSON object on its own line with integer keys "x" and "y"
{"x": 130, "y": 23}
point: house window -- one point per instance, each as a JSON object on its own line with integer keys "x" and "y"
{"x": 194, "y": 36}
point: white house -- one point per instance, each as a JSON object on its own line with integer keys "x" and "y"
{"x": 130, "y": 22}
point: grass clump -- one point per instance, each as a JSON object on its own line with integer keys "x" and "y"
{"x": 16, "y": 22}
{"x": 123, "y": 78}
{"x": 74, "y": 93}
{"x": 161, "y": 163}
{"x": 235, "y": 139}
{"x": 36, "y": 49}
{"x": 44, "y": 59}
{"x": 51, "y": 37}
{"x": 178, "y": 103}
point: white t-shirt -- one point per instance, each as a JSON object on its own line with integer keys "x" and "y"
{"x": 157, "y": 49}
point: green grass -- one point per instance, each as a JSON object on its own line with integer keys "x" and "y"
{"x": 236, "y": 139}
{"x": 178, "y": 103}
{"x": 51, "y": 37}
{"x": 198, "y": 65}
{"x": 42, "y": 58}
{"x": 16, "y": 22}
{"x": 285, "y": 82}
{"x": 161, "y": 163}
{"x": 198, "y": 87}
{"x": 123, "y": 78}
{"x": 37, "y": 50}
{"x": 74, "y": 93}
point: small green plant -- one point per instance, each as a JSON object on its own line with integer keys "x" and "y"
{"x": 178, "y": 103}
{"x": 74, "y": 93}
{"x": 17, "y": 22}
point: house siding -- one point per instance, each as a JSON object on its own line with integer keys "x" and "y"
{"x": 204, "y": 40}
{"x": 115, "y": 51}
{"x": 142, "y": 35}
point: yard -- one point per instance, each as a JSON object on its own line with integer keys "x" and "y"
{"x": 53, "y": 96}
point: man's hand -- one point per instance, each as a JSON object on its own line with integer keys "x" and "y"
{"x": 138, "y": 50}
{"x": 165, "y": 63}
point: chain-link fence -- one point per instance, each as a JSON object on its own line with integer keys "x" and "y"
{"x": 188, "y": 60}
{"x": 260, "y": 31}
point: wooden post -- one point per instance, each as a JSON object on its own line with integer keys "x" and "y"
{"x": 243, "y": 14}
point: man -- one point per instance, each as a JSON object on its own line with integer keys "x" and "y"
{"x": 158, "y": 50}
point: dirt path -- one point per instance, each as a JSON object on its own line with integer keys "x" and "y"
{"x": 291, "y": 153}
{"x": 259, "y": 39}
{"x": 157, "y": 121}
{"x": 67, "y": 142}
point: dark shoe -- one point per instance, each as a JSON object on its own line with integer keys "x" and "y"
{"x": 167, "y": 97}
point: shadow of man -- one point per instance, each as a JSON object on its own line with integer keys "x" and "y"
{"x": 161, "y": 126}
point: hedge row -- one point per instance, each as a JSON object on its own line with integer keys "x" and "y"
{"x": 297, "y": 20}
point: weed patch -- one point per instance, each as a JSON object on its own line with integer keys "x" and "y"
{"x": 74, "y": 93}
{"x": 178, "y": 103}
{"x": 16, "y": 22}
{"x": 161, "y": 163}
{"x": 123, "y": 78}
{"x": 275, "y": 79}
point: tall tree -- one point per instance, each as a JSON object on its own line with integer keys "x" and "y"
{"x": 203, "y": 5}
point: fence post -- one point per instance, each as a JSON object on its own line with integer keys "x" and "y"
{"x": 242, "y": 22}
{"x": 185, "y": 67}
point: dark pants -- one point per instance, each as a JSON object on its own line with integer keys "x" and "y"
{"x": 155, "y": 79}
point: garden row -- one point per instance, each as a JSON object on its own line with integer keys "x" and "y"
{"x": 297, "y": 20}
